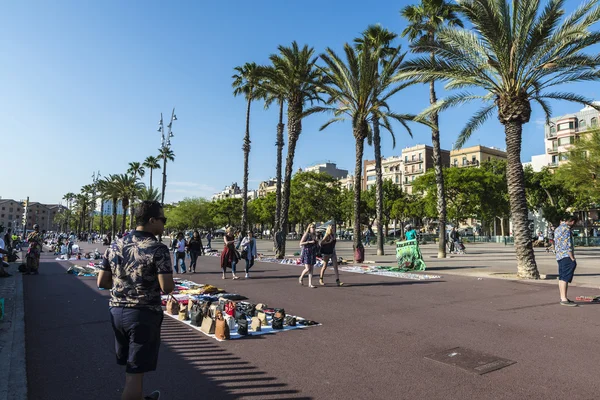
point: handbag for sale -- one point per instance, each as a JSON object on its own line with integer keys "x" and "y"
{"x": 196, "y": 315}
{"x": 246, "y": 307}
{"x": 172, "y": 306}
{"x": 230, "y": 308}
{"x": 255, "y": 324}
{"x": 230, "y": 322}
{"x": 208, "y": 325}
{"x": 239, "y": 314}
{"x": 290, "y": 321}
{"x": 242, "y": 326}
{"x": 183, "y": 314}
{"x": 262, "y": 318}
{"x": 260, "y": 306}
{"x": 221, "y": 328}
{"x": 278, "y": 318}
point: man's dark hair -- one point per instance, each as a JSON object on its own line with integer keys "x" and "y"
{"x": 572, "y": 218}
{"x": 146, "y": 210}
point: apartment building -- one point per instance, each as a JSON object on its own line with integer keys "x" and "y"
{"x": 11, "y": 214}
{"x": 562, "y": 132}
{"x": 416, "y": 161}
{"x": 268, "y": 186}
{"x": 391, "y": 169}
{"x": 328, "y": 168}
{"x": 474, "y": 156}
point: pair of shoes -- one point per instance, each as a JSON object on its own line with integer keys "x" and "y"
{"x": 312, "y": 286}
{"x": 321, "y": 282}
{"x": 568, "y": 303}
{"x": 153, "y": 396}
{"x": 337, "y": 281}
{"x": 235, "y": 277}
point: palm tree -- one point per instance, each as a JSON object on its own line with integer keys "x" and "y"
{"x": 424, "y": 21}
{"x": 69, "y": 197}
{"x": 165, "y": 153}
{"x": 378, "y": 40}
{"x": 246, "y": 83}
{"x": 135, "y": 169}
{"x": 151, "y": 163}
{"x": 147, "y": 194}
{"x": 274, "y": 90}
{"x": 300, "y": 82}
{"x": 127, "y": 187}
{"x": 359, "y": 91}
{"x": 515, "y": 53}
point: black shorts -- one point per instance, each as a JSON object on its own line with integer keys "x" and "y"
{"x": 566, "y": 269}
{"x": 137, "y": 337}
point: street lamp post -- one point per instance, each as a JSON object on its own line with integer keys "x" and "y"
{"x": 165, "y": 148}
{"x": 95, "y": 179}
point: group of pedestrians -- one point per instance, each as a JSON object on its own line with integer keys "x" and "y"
{"x": 231, "y": 254}
{"x": 181, "y": 248}
{"x": 308, "y": 257}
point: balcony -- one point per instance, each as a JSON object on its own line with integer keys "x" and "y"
{"x": 413, "y": 161}
{"x": 550, "y": 135}
{"x": 473, "y": 163}
{"x": 552, "y": 150}
{"x": 416, "y": 172}
{"x": 553, "y": 164}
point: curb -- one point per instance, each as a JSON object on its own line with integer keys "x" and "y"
{"x": 12, "y": 346}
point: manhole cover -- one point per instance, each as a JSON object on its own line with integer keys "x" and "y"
{"x": 470, "y": 360}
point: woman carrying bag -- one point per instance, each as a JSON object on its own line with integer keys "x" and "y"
{"x": 328, "y": 252}
{"x": 229, "y": 256}
{"x": 309, "y": 254}
{"x": 249, "y": 251}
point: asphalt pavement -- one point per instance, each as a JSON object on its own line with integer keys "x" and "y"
{"x": 375, "y": 336}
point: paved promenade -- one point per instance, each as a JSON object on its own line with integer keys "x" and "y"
{"x": 374, "y": 342}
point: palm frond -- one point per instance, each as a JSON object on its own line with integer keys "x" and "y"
{"x": 473, "y": 124}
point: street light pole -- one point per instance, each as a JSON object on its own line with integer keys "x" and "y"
{"x": 95, "y": 179}
{"x": 165, "y": 148}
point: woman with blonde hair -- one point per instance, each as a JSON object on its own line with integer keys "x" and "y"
{"x": 229, "y": 257}
{"x": 309, "y": 254}
{"x": 328, "y": 252}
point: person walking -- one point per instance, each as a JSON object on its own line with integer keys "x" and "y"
{"x": 454, "y": 239}
{"x": 229, "y": 256}
{"x": 180, "y": 253}
{"x": 209, "y": 237}
{"x": 565, "y": 257}
{"x": 195, "y": 248}
{"x": 136, "y": 270}
{"x": 35, "y": 241}
{"x": 308, "y": 256}
{"x": 249, "y": 248}
{"x": 328, "y": 252}
{"x": 368, "y": 237}
{"x": 550, "y": 236}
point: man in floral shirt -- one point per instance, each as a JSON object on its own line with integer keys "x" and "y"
{"x": 565, "y": 256}
{"x": 35, "y": 241}
{"x": 136, "y": 269}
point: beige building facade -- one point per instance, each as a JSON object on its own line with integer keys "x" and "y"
{"x": 416, "y": 161}
{"x": 474, "y": 156}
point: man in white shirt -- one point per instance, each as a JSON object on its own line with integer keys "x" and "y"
{"x": 3, "y": 273}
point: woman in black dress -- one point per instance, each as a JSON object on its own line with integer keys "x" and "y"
{"x": 195, "y": 248}
{"x": 309, "y": 254}
{"x": 229, "y": 256}
{"x": 328, "y": 252}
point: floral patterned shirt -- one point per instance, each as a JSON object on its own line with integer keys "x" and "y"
{"x": 135, "y": 262}
{"x": 563, "y": 241}
{"x": 35, "y": 240}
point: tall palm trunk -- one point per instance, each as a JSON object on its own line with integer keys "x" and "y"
{"x": 102, "y": 216}
{"x": 164, "y": 182}
{"x": 360, "y": 144}
{"x": 439, "y": 173}
{"x": 151, "y": 179}
{"x": 279, "y": 143}
{"x": 246, "y": 148}
{"x": 526, "y": 265}
{"x": 294, "y": 129}
{"x": 113, "y": 227}
{"x": 378, "y": 186}
{"x": 125, "y": 207}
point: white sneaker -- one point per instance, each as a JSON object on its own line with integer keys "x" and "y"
{"x": 247, "y": 276}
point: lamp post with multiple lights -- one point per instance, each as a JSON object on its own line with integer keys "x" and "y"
{"x": 165, "y": 149}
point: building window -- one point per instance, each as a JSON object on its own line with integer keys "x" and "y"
{"x": 456, "y": 162}
{"x": 420, "y": 156}
{"x": 594, "y": 122}
{"x": 414, "y": 157}
{"x": 489, "y": 158}
{"x": 564, "y": 126}
{"x": 397, "y": 179}
{"x": 582, "y": 123}
{"x": 566, "y": 140}
{"x": 563, "y": 157}
{"x": 552, "y": 129}
{"x": 413, "y": 179}
{"x": 464, "y": 161}
{"x": 10, "y": 217}
{"x": 3, "y": 208}
{"x": 371, "y": 177}
{"x": 406, "y": 179}
{"x": 2, "y": 215}
{"x": 473, "y": 159}
{"x": 413, "y": 168}
{"x": 405, "y": 158}
{"x": 10, "y": 209}
{"x": 420, "y": 167}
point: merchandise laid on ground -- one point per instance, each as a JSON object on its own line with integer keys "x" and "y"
{"x": 226, "y": 316}
{"x": 84, "y": 270}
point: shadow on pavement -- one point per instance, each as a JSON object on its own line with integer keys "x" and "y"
{"x": 402, "y": 283}
{"x": 70, "y": 350}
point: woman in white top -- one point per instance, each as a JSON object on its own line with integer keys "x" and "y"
{"x": 180, "y": 245}
{"x": 249, "y": 246}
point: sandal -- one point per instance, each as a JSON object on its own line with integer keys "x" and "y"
{"x": 312, "y": 286}
{"x": 300, "y": 282}
{"x": 321, "y": 282}
{"x": 337, "y": 281}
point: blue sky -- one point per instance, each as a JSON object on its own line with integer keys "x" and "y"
{"x": 83, "y": 84}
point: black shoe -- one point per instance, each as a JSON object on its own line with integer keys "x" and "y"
{"x": 153, "y": 396}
